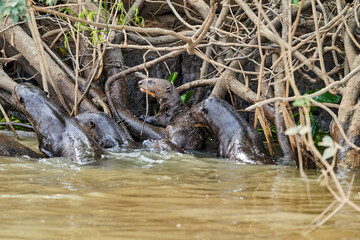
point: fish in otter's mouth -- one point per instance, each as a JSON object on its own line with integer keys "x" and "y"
{"x": 143, "y": 90}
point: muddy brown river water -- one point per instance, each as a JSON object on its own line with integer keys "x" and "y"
{"x": 146, "y": 195}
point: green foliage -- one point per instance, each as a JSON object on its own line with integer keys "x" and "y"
{"x": 299, "y": 129}
{"x": 296, "y": 3}
{"x": 12, "y": 119}
{"x": 85, "y": 14}
{"x": 302, "y": 101}
{"x": 330, "y": 146}
{"x": 314, "y": 125}
{"x": 66, "y": 40}
{"x": 185, "y": 97}
{"x": 49, "y": 2}
{"x": 137, "y": 18}
{"x": 273, "y": 133}
{"x": 67, "y": 10}
{"x": 172, "y": 77}
{"x": 61, "y": 51}
{"x": 89, "y": 15}
{"x": 13, "y": 8}
{"x": 326, "y": 97}
{"x": 318, "y": 136}
{"x": 124, "y": 19}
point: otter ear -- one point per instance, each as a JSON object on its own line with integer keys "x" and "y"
{"x": 204, "y": 111}
{"x": 168, "y": 89}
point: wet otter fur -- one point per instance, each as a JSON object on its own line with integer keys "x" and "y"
{"x": 235, "y": 137}
{"x": 104, "y": 130}
{"x": 173, "y": 114}
{"x": 58, "y": 134}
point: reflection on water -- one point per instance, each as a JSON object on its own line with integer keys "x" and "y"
{"x": 143, "y": 195}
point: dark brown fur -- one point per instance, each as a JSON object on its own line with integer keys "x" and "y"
{"x": 173, "y": 114}
{"x": 104, "y": 130}
{"x": 235, "y": 137}
{"x": 58, "y": 134}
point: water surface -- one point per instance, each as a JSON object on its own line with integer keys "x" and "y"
{"x": 145, "y": 195}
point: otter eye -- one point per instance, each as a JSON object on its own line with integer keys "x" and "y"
{"x": 92, "y": 123}
{"x": 21, "y": 100}
{"x": 204, "y": 111}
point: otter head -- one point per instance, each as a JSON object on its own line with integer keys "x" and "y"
{"x": 28, "y": 95}
{"x": 97, "y": 125}
{"x": 213, "y": 113}
{"x": 200, "y": 114}
{"x": 87, "y": 123}
{"x": 31, "y": 100}
{"x": 157, "y": 88}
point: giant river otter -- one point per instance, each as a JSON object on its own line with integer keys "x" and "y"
{"x": 58, "y": 135}
{"x": 235, "y": 137}
{"x": 104, "y": 130}
{"x": 173, "y": 114}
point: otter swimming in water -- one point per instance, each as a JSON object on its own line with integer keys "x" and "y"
{"x": 58, "y": 134}
{"x": 236, "y": 138}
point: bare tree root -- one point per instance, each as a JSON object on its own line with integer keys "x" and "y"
{"x": 25, "y": 45}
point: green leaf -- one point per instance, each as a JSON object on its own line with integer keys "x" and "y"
{"x": 91, "y": 15}
{"x": 186, "y": 97}
{"x": 6, "y": 11}
{"x": 314, "y": 125}
{"x": 172, "y": 77}
{"x": 328, "y": 98}
{"x": 142, "y": 22}
{"x": 12, "y": 8}
{"x": 66, "y": 40}
{"x": 296, "y": 3}
{"x": 83, "y": 13}
{"x": 100, "y": 38}
{"x": 51, "y": 2}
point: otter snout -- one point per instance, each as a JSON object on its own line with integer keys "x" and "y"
{"x": 142, "y": 83}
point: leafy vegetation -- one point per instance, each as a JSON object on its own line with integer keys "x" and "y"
{"x": 17, "y": 8}
{"x": 296, "y": 3}
{"x": 185, "y": 97}
{"x": 96, "y": 34}
{"x": 318, "y": 136}
{"x": 49, "y": 2}
{"x": 13, "y": 120}
{"x": 13, "y": 8}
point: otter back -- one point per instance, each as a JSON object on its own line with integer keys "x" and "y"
{"x": 58, "y": 135}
